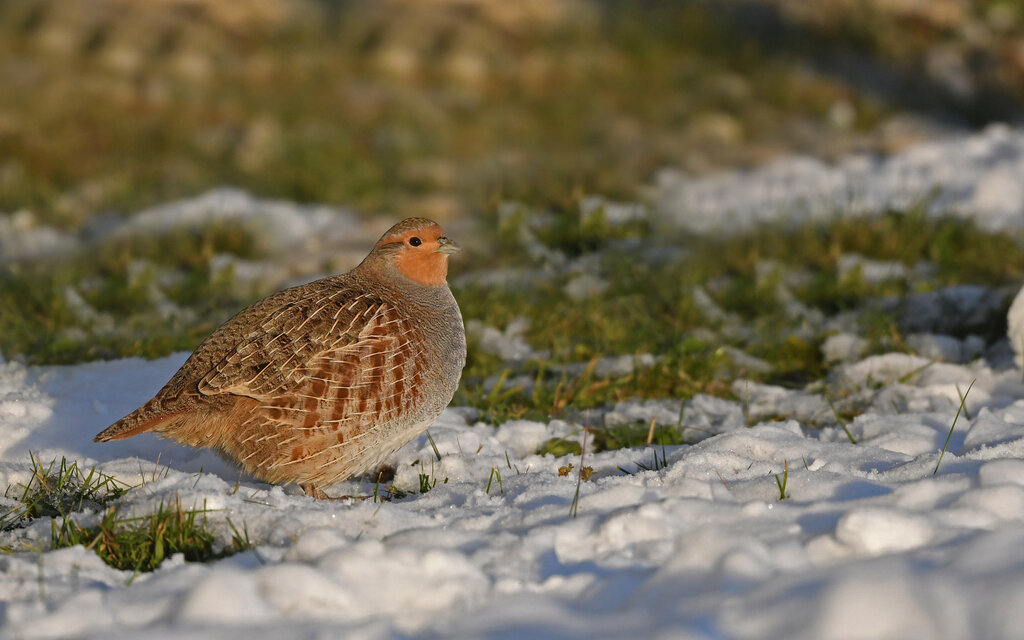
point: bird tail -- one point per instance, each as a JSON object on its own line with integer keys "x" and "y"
{"x": 145, "y": 418}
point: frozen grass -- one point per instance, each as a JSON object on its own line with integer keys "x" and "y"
{"x": 142, "y": 543}
{"x": 648, "y": 306}
{"x": 53, "y": 491}
{"x": 67, "y": 495}
{"x": 117, "y": 281}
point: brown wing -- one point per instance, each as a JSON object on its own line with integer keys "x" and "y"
{"x": 328, "y": 376}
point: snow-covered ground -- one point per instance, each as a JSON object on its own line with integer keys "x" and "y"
{"x": 871, "y": 541}
{"x": 976, "y": 176}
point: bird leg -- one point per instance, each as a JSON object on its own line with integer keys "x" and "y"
{"x": 316, "y": 493}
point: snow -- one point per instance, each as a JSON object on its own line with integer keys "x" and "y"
{"x": 22, "y": 237}
{"x": 843, "y": 347}
{"x": 1015, "y": 327}
{"x": 872, "y": 271}
{"x": 510, "y": 343}
{"x": 281, "y": 224}
{"x": 292, "y": 238}
{"x": 974, "y": 175}
{"x": 945, "y": 348}
{"x": 689, "y": 541}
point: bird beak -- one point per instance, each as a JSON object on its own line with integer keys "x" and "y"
{"x": 447, "y": 246}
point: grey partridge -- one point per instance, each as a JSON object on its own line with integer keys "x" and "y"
{"x": 319, "y": 382}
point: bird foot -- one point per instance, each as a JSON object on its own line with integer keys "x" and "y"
{"x": 316, "y": 493}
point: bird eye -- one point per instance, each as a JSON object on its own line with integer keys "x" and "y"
{"x": 415, "y": 242}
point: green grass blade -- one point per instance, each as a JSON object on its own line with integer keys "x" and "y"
{"x": 963, "y": 401}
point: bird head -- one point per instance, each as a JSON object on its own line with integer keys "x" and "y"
{"x": 418, "y": 250}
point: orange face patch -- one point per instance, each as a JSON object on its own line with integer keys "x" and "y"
{"x": 419, "y": 260}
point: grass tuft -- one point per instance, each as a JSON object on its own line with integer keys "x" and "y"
{"x": 57, "y": 490}
{"x": 142, "y": 543}
{"x": 427, "y": 481}
{"x": 657, "y": 464}
{"x": 495, "y": 475}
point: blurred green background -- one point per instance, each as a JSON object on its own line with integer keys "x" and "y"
{"x": 499, "y": 119}
{"x": 444, "y": 107}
